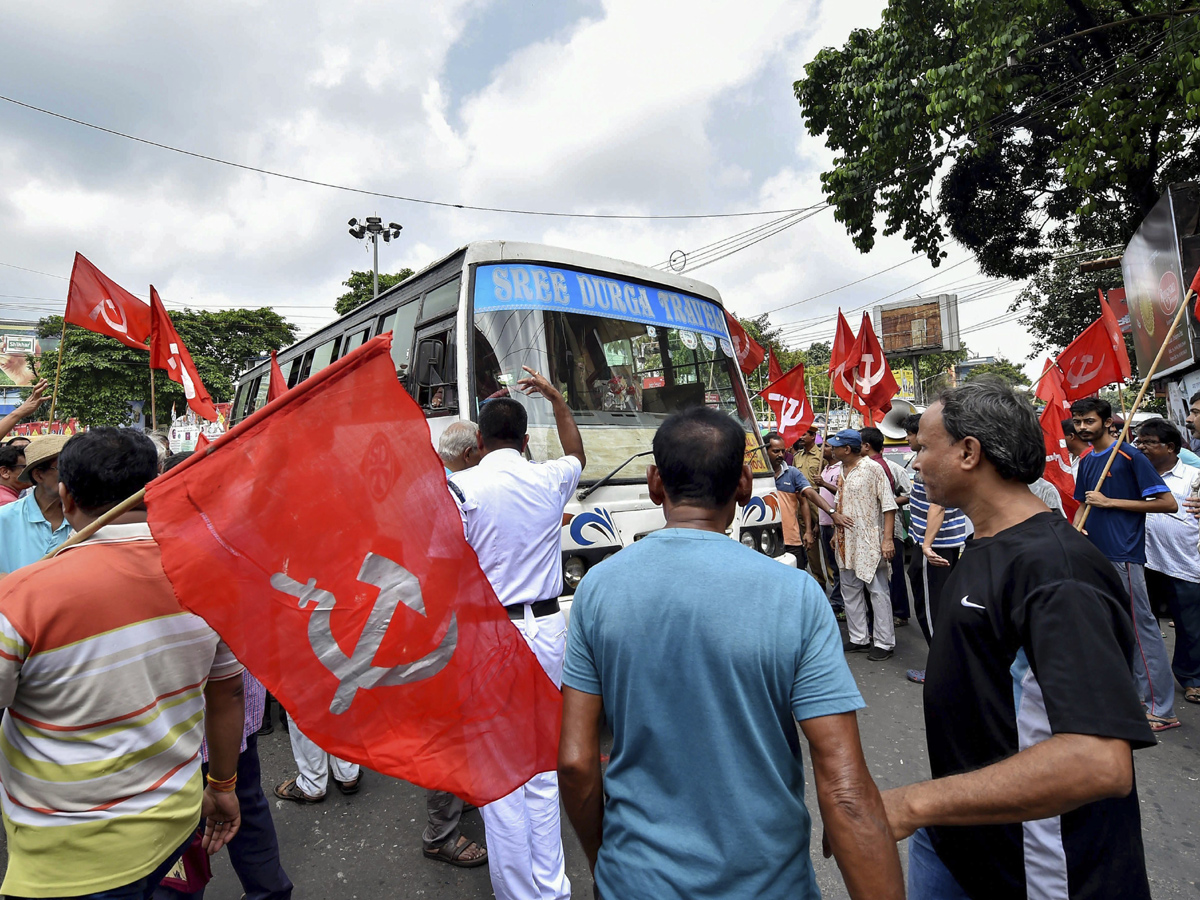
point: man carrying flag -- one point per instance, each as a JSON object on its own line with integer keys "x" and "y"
{"x": 512, "y": 512}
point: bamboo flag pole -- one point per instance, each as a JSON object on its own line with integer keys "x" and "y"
{"x": 91, "y": 528}
{"x": 1183, "y": 307}
{"x": 62, "y": 342}
{"x": 828, "y": 402}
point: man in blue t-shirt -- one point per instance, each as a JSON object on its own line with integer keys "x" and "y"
{"x": 1117, "y": 526}
{"x": 702, "y": 654}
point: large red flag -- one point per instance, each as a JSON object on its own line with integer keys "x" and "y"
{"x": 278, "y": 384}
{"x": 843, "y": 358}
{"x": 1058, "y": 457}
{"x": 360, "y": 606}
{"x": 747, "y": 350}
{"x": 1090, "y": 362}
{"x": 168, "y": 352}
{"x": 99, "y": 304}
{"x": 875, "y": 385}
{"x": 1112, "y": 327}
{"x": 774, "y": 369}
{"x": 1050, "y": 389}
{"x": 789, "y": 401}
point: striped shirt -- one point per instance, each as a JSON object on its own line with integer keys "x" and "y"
{"x": 102, "y": 678}
{"x": 954, "y": 530}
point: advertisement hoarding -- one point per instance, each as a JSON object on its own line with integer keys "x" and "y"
{"x": 917, "y": 326}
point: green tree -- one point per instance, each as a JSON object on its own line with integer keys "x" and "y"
{"x": 1062, "y": 303}
{"x": 1013, "y": 127}
{"x": 1002, "y": 369}
{"x": 361, "y": 285}
{"x": 100, "y": 376}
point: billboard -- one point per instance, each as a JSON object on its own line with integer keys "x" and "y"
{"x": 20, "y": 352}
{"x": 921, "y": 325}
{"x": 1155, "y": 282}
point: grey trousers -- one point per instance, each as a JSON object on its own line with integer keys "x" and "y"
{"x": 445, "y": 812}
{"x": 1151, "y": 667}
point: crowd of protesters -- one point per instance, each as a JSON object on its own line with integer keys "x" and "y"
{"x": 130, "y": 730}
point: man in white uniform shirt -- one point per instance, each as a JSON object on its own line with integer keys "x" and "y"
{"x": 512, "y": 514}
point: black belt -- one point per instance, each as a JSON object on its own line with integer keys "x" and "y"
{"x": 539, "y": 608}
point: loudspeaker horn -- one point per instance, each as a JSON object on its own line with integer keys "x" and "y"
{"x": 892, "y": 425}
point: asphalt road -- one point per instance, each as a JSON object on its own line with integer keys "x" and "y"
{"x": 369, "y": 845}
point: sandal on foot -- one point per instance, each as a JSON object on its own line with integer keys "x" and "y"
{"x": 1161, "y": 723}
{"x": 1192, "y": 694}
{"x": 453, "y": 854}
{"x": 290, "y": 791}
{"x": 348, "y": 787}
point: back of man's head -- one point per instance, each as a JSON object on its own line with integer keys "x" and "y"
{"x": 101, "y": 467}
{"x": 1085, "y": 405}
{"x": 1163, "y": 431}
{"x": 912, "y": 424}
{"x": 699, "y": 453}
{"x": 873, "y": 438}
{"x": 457, "y": 439}
{"x": 1068, "y": 427}
{"x": 1003, "y": 422}
{"x": 503, "y": 423}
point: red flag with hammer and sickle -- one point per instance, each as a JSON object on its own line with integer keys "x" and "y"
{"x": 843, "y": 358}
{"x": 1090, "y": 362}
{"x": 99, "y": 304}
{"x": 360, "y": 605}
{"x": 747, "y": 350}
{"x": 167, "y": 351}
{"x": 874, "y": 383}
{"x": 789, "y": 401}
{"x": 1058, "y": 457}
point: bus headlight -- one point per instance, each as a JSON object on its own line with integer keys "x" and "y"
{"x": 573, "y": 570}
{"x": 766, "y": 542}
{"x": 747, "y": 540}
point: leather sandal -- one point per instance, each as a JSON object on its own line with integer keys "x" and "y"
{"x": 289, "y": 790}
{"x": 1191, "y": 694}
{"x": 452, "y": 853}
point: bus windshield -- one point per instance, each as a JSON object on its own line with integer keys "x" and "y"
{"x": 621, "y": 376}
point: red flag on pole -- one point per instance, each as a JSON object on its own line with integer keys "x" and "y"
{"x": 1112, "y": 326}
{"x": 168, "y": 352}
{"x": 202, "y": 441}
{"x": 747, "y": 350}
{"x": 774, "y": 370}
{"x": 1050, "y": 388}
{"x": 99, "y": 304}
{"x": 1090, "y": 362}
{"x": 876, "y": 386}
{"x": 360, "y": 606}
{"x": 843, "y": 358}
{"x": 277, "y": 385}
{"x": 789, "y": 401}
{"x": 1058, "y": 457}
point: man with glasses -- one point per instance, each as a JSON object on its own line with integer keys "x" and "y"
{"x": 34, "y": 525}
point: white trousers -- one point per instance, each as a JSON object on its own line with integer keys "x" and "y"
{"x": 881, "y": 603}
{"x": 313, "y": 764}
{"x": 524, "y": 829}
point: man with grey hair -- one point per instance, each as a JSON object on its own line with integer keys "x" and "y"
{"x": 1030, "y": 707}
{"x": 459, "y": 446}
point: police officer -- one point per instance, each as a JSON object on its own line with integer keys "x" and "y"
{"x": 512, "y": 515}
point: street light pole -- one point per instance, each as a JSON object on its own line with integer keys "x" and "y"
{"x": 373, "y": 228}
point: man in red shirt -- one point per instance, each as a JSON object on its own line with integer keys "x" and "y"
{"x": 12, "y": 461}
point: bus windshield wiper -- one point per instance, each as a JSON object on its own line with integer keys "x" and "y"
{"x": 584, "y": 492}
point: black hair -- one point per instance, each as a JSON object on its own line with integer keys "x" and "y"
{"x": 13, "y": 440}
{"x": 1164, "y": 431}
{"x": 1085, "y": 405}
{"x": 103, "y": 466}
{"x": 1194, "y": 397}
{"x": 175, "y": 459}
{"x": 872, "y": 437}
{"x": 700, "y": 453}
{"x": 772, "y": 436}
{"x": 1068, "y": 427}
{"x": 503, "y": 422}
{"x": 912, "y": 424}
{"x": 1003, "y": 422}
{"x": 10, "y": 455}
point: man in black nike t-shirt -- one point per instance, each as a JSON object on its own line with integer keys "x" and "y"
{"x": 1030, "y": 709}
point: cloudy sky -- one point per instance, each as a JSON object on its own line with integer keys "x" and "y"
{"x": 589, "y": 106}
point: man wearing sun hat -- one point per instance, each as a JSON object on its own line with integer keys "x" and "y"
{"x": 34, "y": 525}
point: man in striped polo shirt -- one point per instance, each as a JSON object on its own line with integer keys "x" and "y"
{"x": 104, "y": 681}
{"x": 939, "y": 534}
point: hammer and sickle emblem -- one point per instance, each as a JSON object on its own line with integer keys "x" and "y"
{"x": 791, "y": 412}
{"x": 102, "y": 309}
{"x": 396, "y": 586}
{"x": 867, "y": 383}
{"x": 1084, "y": 375}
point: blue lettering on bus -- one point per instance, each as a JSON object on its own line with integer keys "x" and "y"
{"x": 551, "y": 288}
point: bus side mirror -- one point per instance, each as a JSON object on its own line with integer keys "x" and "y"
{"x": 429, "y": 362}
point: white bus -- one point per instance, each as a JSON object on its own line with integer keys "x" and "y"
{"x": 626, "y": 344}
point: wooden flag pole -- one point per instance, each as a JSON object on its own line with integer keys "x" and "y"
{"x": 153, "y": 409}
{"x": 1121, "y": 398}
{"x": 1137, "y": 402}
{"x": 62, "y": 342}
{"x": 91, "y": 528}
{"x": 828, "y": 402}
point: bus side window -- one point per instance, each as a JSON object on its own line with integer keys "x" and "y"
{"x": 239, "y": 401}
{"x": 260, "y": 387}
{"x": 434, "y": 385}
{"x": 300, "y": 372}
{"x": 403, "y": 324}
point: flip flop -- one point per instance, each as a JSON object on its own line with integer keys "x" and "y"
{"x": 453, "y": 854}
{"x": 1160, "y": 723}
{"x": 290, "y": 791}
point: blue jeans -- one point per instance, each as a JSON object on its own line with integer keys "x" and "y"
{"x": 1151, "y": 667}
{"x": 142, "y": 889}
{"x": 928, "y": 877}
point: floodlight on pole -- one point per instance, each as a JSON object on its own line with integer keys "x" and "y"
{"x": 372, "y": 229}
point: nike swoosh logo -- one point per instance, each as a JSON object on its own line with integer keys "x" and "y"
{"x": 965, "y": 602}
